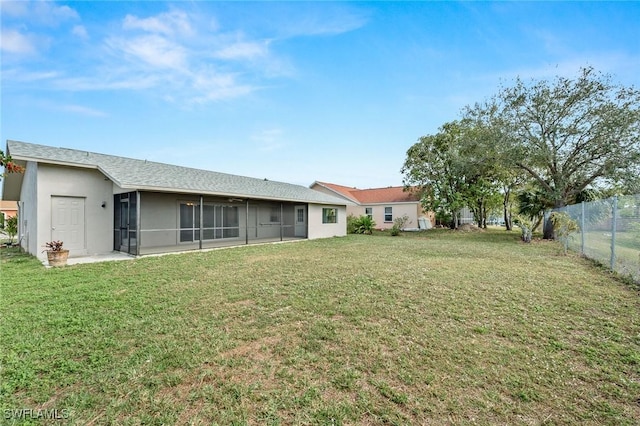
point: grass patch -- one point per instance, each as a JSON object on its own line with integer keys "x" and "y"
{"x": 598, "y": 248}
{"x": 438, "y": 327}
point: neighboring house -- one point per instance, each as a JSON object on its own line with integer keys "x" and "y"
{"x": 383, "y": 205}
{"x": 98, "y": 203}
{"x": 8, "y": 209}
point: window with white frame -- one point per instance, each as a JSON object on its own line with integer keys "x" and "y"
{"x": 329, "y": 215}
{"x": 369, "y": 212}
{"x": 388, "y": 214}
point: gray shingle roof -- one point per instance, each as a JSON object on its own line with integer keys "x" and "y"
{"x": 129, "y": 173}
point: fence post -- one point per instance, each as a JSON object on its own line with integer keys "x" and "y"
{"x": 613, "y": 232}
{"x": 582, "y": 230}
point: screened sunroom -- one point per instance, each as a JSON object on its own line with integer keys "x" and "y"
{"x": 153, "y": 222}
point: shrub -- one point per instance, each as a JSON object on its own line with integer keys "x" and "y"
{"x": 526, "y": 224}
{"x": 563, "y": 226}
{"x": 362, "y": 225}
{"x": 11, "y": 226}
{"x": 399, "y": 223}
{"x": 351, "y": 224}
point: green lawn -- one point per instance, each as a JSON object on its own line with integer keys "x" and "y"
{"x": 433, "y": 328}
{"x": 598, "y": 247}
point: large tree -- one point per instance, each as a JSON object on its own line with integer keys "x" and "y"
{"x": 568, "y": 134}
{"x": 433, "y": 165}
{"x": 453, "y": 171}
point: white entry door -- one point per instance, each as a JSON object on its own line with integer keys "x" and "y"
{"x": 67, "y": 222}
{"x": 300, "y": 228}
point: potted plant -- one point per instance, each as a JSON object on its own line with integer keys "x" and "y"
{"x": 56, "y": 255}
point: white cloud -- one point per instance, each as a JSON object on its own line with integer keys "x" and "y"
{"x": 208, "y": 86}
{"x": 170, "y": 23}
{"x": 319, "y": 19}
{"x": 153, "y": 50}
{"x": 121, "y": 79}
{"x": 15, "y": 42}
{"x": 14, "y": 8}
{"x": 269, "y": 139}
{"x": 82, "y": 110}
{"x": 23, "y": 75}
{"x": 48, "y": 12}
{"x": 38, "y": 12}
{"x": 80, "y": 31}
{"x": 184, "y": 57}
{"x": 243, "y": 50}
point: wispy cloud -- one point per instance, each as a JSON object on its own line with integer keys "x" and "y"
{"x": 15, "y": 42}
{"x": 26, "y": 76}
{"x": 153, "y": 50}
{"x": 178, "y": 55}
{"x": 20, "y": 39}
{"x": 170, "y": 23}
{"x": 243, "y": 50}
{"x": 38, "y": 11}
{"x": 268, "y": 140}
{"x": 80, "y": 31}
{"x": 82, "y": 110}
{"x": 320, "y": 19}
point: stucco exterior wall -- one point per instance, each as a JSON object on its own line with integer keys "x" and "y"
{"x": 412, "y": 210}
{"x": 89, "y": 184}
{"x": 317, "y": 229}
{"x": 28, "y": 219}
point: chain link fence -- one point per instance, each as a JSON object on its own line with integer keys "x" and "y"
{"x": 609, "y": 233}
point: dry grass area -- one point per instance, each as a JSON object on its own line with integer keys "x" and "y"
{"x": 425, "y": 328}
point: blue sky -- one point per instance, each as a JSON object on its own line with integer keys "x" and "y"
{"x": 289, "y": 91}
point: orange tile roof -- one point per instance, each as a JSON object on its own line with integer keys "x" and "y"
{"x": 391, "y": 194}
{"x": 8, "y": 205}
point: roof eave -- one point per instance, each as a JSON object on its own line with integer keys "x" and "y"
{"x": 234, "y": 195}
{"x": 340, "y": 194}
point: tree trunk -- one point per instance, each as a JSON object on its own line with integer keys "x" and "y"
{"x": 538, "y": 222}
{"x": 484, "y": 216}
{"x": 548, "y": 233}
{"x": 507, "y": 214}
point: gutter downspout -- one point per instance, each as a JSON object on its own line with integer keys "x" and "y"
{"x": 201, "y": 225}
{"x": 138, "y": 223}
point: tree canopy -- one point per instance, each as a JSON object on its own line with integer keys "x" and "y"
{"x": 565, "y": 136}
{"x": 568, "y": 134}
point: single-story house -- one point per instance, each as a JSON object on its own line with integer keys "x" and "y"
{"x": 98, "y": 203}
{"x": 383, "y": 205}
{"x": 8, "y": 209}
